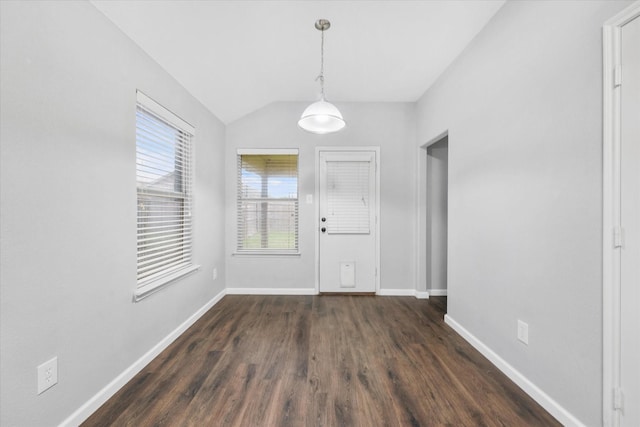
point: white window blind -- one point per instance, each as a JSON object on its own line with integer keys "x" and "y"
{"x": 348, "y": 197}
{"x": 268, "y": 201}
{"x": 164, "y": 186}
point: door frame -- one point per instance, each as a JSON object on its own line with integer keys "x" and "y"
{"x": 611, "y": 204}
{"x": 319, "y": 149}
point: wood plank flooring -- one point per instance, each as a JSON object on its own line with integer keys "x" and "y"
{"x": 321, "y": 361}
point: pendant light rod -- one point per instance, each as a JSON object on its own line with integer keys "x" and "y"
{"x": 322, "y": 25}
{"x": 321, "y": 76}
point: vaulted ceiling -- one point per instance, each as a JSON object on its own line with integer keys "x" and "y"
{"x": 238, "y": 56}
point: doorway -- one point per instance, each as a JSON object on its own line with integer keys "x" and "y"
{"x": 432, "y": 216}
{"x": 621, "y": 219}
{"x": 348, "y": 245}
{"x": 437, "y": 216}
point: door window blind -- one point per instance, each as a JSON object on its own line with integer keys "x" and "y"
{"x": 164, "y": 187}
{"x": 348, "y": 198}
{"x": 267, "y": 202}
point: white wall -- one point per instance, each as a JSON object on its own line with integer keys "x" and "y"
{"x": 68, "y": 207}
{"x": 437, "y": 171}
{"x": 522, "y": 106}
{"x": 388, "y": 125}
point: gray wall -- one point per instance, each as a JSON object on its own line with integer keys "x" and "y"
{"x": 522, "y": 106}
{"x": 523, "y": 109}
{"x": 388, "y": 125}
{"x": 437, "y": 171}
{"x": 68, "y": 206}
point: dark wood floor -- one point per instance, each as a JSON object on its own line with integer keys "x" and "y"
{"x": 321, "y": 361}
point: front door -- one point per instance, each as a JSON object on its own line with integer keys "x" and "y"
{"x": 347, "y": 221}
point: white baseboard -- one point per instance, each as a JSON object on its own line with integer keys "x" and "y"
{"x": 82, "y": 413}
{"x": 271, "y": 291}
{"x": 312, "y": 291}
{"x": 437, "y": 292}
{"x": 396, "y": 292}
{"x": 403, "y": 293}
{"x": 543, "y": 399}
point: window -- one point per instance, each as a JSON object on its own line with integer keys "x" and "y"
{"x": 164, "y": 182}
{"x": 268, "y": 201}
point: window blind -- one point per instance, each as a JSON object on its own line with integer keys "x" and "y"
{"x": 348, "y": 198}
{"x": 164, "y": 187}
{"x": 267, "y": 203}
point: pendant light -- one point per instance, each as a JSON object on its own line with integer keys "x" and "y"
{"x": 321, "y": 117}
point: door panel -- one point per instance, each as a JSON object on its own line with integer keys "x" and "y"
{"x": 347, "y": 209}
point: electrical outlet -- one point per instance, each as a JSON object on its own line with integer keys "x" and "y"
{"x": 523, "y": 332}
{"x": 215, "y": 273}
{"x": 47, "y": 375}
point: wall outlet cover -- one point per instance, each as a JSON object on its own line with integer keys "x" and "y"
{"x": 47, "y": 375}
{"x": 523, "y": 332}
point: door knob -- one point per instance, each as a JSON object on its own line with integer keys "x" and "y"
{"x": 323, "y": 229}
{"x": 323, "y": 219}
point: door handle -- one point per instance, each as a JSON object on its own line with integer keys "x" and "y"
{"x": 323, "y": 219}
{"x": 323, "y": 229}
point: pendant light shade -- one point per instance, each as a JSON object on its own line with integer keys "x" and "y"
{"x": 321, "y": 117}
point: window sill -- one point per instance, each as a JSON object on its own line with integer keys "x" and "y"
{"x": 266, "y": 254}
{"x": 153, "y": 286}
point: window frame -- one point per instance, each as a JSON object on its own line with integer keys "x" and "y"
{"x": 183, "y": 143}
{"x": 295, "y": 201}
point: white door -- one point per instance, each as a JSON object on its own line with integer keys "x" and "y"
{"x": 347, "y": 221}
{"x": 630, "y": 220}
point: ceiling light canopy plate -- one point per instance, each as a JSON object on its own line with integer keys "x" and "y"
{"x": 323, "y": 24}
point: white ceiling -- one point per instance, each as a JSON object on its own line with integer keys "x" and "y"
{"x": 238, "y": 56}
